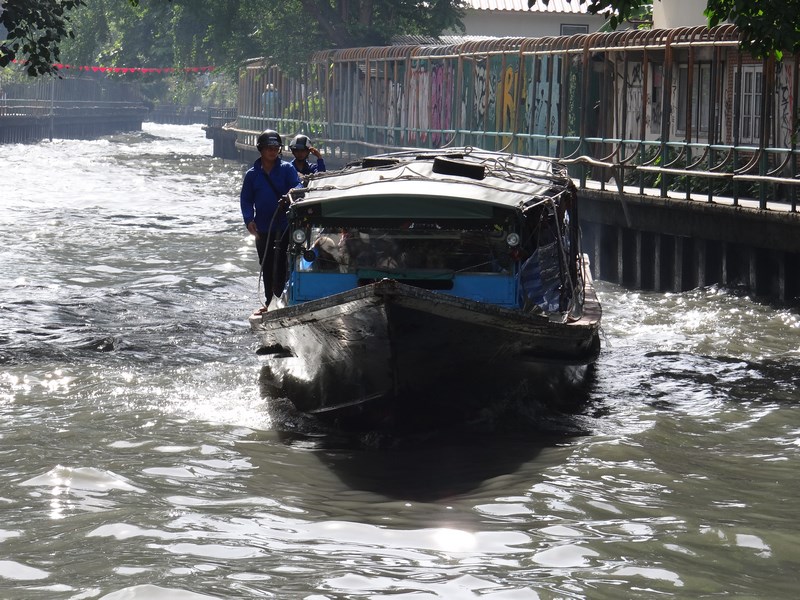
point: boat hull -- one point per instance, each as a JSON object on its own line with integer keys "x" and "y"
{"x": 389, "y": 355}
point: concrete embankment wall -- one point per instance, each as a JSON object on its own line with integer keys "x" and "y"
{"x": 666, "y": 244}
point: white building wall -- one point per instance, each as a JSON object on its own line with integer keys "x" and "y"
{"x": 524, "y": 24}
{"x": 669, "y": 14}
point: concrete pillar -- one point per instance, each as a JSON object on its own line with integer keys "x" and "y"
{"x": 700, "y": 254}
{"x": 657, "y": 262}
{"x": 753, "y": 270}
{"x": 724, "y": 276}
{"x": 620, "y": 256}
{"x": 638, "y": 260}
{"x": 780, "y": 284}
{"x": 677, "y": 266}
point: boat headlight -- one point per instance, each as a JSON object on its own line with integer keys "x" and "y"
{"x": 299, "y": 236}
{"x": 512, "y": 239}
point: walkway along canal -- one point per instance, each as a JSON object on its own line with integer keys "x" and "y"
{"x": 682, "y": 143}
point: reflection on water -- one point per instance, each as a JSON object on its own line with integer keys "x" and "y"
{"x": 141, "y": 459}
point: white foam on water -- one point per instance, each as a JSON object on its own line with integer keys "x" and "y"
{"x": 11, "y": 569}
{"x": 82, "y": 478}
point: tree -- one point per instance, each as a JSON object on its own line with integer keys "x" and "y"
{"x": 225, "y": 33}
{"x": 221, "y": 33}
{"x": 767, "y": 27}
{"x": 35, "y": 29}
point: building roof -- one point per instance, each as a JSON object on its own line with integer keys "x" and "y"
{"x": 441, "y": 40}
{"x": 554, "y": 6}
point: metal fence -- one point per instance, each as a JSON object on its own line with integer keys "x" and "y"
{"x": 34, "y": 98}
{"x": 220, "y": 116}
{"x": 661, "y": 111}
{"x": 177, "y": 114}
{"x": 74, "y": 107}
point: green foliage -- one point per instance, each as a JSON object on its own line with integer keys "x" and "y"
{"x": 221, "y": 92}
{"x": 187, "y": 32}
{"x": 306, "y": 116}
{"x": 768, "y": 27}
{"x": 35, "y": 29}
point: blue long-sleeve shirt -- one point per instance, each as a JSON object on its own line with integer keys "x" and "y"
{"x": 259, "y": 201}
{"x": 310, "y": 167}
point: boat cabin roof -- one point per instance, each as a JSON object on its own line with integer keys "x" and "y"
{"x": 458, "y": 182}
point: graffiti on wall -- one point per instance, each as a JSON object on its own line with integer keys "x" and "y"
{"x": 632, "y": 117}
{"x": 544, "y": 100}
{"x": 413, "y": 123}
{"x": 396, "y": 113}
{"x": 784, "y": 86}
{"x": 480, "y": 101}
{"x": 442, "y": 92}
{"x": 542, "y": 106}
{"x": 507, "y": 107}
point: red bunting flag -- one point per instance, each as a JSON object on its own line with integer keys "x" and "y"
{"x": 124, "y": 70}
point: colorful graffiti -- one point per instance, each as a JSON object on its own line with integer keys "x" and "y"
{"x": 784, "y": 86}
{"x": 550, "y": 97}
{"x": 442, "y": 94}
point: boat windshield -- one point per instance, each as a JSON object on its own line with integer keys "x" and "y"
{"x": 414, "y": 248}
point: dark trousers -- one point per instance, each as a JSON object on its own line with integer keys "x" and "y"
{"x": 273, "y": 261}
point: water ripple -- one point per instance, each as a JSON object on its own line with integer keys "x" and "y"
{"x": 143, "y": 459}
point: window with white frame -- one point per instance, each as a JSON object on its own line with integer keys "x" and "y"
{"x": 750, "y": 104}
{"x": 702, "y": 95}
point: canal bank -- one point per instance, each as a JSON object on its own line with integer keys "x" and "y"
{"x": 71, "y": 122}
{"x": 648, "y": 242}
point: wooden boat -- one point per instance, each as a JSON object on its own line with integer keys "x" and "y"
{"x": 425, "y": 287}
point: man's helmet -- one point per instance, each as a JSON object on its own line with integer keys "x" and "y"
{"x": 268, "y": 137}
{"x": 300, "y": 142}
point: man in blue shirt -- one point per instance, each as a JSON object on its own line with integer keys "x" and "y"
{"x": 264, "y": 212}
{"x": 301, "y": 147}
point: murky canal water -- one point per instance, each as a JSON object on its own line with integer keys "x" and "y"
{"x": 139, "y": 460}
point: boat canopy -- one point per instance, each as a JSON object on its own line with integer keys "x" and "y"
{"x": 480, "y": 225}
{"x": 443, "y": 185}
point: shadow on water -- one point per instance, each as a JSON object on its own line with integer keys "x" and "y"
{"x": 430, "y": 465}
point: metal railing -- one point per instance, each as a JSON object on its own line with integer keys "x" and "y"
{"x": 220, "y": 116}
{"x": 680, "y": 112}
{"x": 44, "y": 108}
{"x": 73, "y": 107}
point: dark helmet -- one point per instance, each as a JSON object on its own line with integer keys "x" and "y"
{"x": 268, "y": 137}
{"x": 300, "y": 142}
